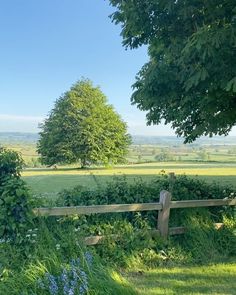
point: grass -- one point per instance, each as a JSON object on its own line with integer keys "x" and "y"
{"x": 50, "y": 182}
{"x": 210, "y": 279}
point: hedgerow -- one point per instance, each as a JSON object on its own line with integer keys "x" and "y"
{"x": 129, "y": 234}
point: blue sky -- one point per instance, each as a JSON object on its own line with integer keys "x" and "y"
{"x": 47, "y": 45}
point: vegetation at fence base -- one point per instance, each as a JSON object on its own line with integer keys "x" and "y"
{"x": 58, "y": 264}
{"x": 122, "y": 191}
{"x": 15, "y": 200}
{"x": 129, "y": 235}
{"x": 58, "y": 260}
{"x": 206, "y": 243}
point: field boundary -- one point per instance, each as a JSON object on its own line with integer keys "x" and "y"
{"x": 163, "y": 207}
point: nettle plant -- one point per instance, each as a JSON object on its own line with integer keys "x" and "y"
{"x": 15, "y": 200}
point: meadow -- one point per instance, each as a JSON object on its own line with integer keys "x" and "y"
{"x": 48, "y": 181}
{"x": 212, "y": 163}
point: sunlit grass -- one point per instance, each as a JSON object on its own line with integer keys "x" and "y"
{"x": 144, "y": 169}
{"x": 213, "y": 279}
{"x": 49, "y": 181}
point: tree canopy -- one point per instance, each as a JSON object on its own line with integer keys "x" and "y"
{"x": 83, "y": 127}
{"x": 190, "y": 79}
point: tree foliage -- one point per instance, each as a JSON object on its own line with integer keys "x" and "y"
{"x": 83, "y": 127}
{"x": 15, "y": 199}
{"x": 164, "y": 156}
{"x": 190, "y": 79}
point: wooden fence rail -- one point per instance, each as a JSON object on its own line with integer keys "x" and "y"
{"x": 163, "y": 207}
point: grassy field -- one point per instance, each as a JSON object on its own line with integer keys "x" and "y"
{"x": 210, "y": 279}
{"x": 49, "y": 181}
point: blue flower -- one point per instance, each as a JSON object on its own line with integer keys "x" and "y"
{"x": 71, "y": 291}
{"x": 88, "y": 258}
{"x": 53, "y": 288}
{"x": 41, "y": 284}
{"x": 73, "y": 280}
{"x": 84, "y": 286}
{"x": 65, "y": 281}
{"x": 83, "y": 289}
{"x": 73, "y": 262}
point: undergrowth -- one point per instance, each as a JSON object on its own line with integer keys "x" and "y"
{"x": 129, "y": 236}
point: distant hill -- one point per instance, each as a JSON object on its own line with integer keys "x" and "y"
{"x": 173, "y": 140}
{"x": 20, "y": 137}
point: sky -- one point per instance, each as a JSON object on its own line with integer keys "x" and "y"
{"x": 46, "y": 46}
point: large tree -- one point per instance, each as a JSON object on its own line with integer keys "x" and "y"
{"x": 190, "y": 79}
{"x": 83, "y": 127}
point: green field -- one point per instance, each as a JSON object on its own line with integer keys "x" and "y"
{"x": 210, "y": 279}
{"x": 49, "y": 182}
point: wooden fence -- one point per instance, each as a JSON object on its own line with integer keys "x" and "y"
{"x": 163, "y": 207}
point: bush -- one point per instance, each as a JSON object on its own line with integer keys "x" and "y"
{"x": 134, "y": 238}
{"x": 119, "y": 191}
{"x": 11, "y": 164}
{"x": 15, "y": 199}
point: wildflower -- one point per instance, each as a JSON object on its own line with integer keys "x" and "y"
{"x": 64, "y": 278}
{"x": 83, "y": 289}
{"x": 74, "y": 274}
{"x": 88, "y": 258}
{"x": 58, "y": 246}
{"x": 73, "y": 262}
{"x": 84, "y": 286}
{"x": 53, "y": 288}
{"x": 41, "y": 284}
{"x": 83, "y": 275}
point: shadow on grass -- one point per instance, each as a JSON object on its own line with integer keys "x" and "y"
{"x": 217, "y": 279}
{"x": 153, "y": 165}
{"x": 41, "y": 184}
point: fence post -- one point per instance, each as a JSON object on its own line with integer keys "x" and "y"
{"x": 172, "y": 178}
{"x": 164, "y": 214}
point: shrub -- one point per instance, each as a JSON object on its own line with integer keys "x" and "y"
{"x": 11, "y": 164}
{"x": 133, "y": 229}
{"x": 15, "y": 200}
{"x": 119, "y": 191}
{"x": 15, "y": 210}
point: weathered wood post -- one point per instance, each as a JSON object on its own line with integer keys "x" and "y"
{"x": 172, "y": 178}
{"x": 164, "y": 214}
